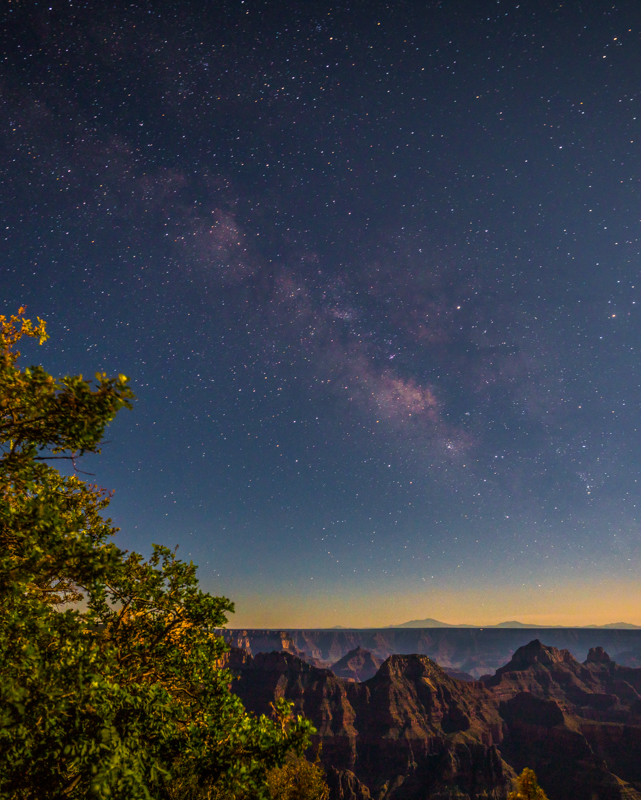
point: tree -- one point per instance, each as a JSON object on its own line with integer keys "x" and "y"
{"x": 298, "y": 779}
{"x": 108, "y": 677}
{"x": 527, "y": 787}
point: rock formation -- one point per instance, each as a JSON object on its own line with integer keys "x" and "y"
{"x": 412, "y": 732}
{"x": 577, "y": 725}
{"x": 476, "y": 651}
{"x": 358, "y": 664}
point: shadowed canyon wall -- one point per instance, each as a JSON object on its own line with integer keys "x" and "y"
{"x": 412, "y": 732}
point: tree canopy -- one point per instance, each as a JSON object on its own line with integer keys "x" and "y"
{"x": 109, "y": 677}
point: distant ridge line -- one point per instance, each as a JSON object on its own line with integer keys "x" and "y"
{"x": 625, "y": 626}
{"x": 435, "y": 623}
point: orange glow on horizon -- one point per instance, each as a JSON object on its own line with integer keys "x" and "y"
{"x": 572, "y": 605}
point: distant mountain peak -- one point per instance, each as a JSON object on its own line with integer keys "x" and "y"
{"x": 428, "y": 623}
{"x": 435, "y": 623}
{"x": 617, "y": 626}
{"x": 515, "y": 624}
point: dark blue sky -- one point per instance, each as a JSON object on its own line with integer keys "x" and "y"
{"x": 373, "y": 270}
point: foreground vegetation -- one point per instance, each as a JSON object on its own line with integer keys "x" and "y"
{"x": 108, "y": 678}
{"x": 296, "y": 779}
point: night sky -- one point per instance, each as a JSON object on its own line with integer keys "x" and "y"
{"x": 373, "y": 271}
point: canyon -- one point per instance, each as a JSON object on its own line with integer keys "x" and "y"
{"x": 475, "y": 651}
{"x": 404, "y": 729}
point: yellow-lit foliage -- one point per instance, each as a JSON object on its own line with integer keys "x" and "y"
{"x": 527, "y": 787}
{"x": 298, "y": 779}
{"x": 13, "y": 328}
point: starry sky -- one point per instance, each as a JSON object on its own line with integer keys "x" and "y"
{"x": 373, "y": 271}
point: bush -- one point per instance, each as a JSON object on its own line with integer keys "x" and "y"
{"x": 527, "y": 787}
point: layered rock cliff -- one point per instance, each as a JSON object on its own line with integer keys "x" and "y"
{"x": 413, "y": 732}
{"x": 409, "y": 730}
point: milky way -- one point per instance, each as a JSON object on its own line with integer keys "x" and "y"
{"x": 373, "y": 270}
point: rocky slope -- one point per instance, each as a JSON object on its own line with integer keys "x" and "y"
{"x": 358, "y": 664}
{"x": 413, "y": 732}
{"x": 580, "y": 724}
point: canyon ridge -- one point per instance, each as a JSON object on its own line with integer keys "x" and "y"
{"x": 403, "y": 727}
{"x": 475, "y": 651}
